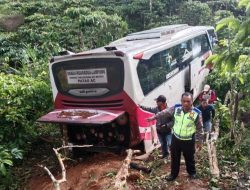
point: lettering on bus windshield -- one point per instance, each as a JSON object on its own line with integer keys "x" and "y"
{"x": 87, "y": 76}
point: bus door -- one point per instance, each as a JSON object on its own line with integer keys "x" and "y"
{"x": 201, "y": 49}
{"x": 195, "y": 78}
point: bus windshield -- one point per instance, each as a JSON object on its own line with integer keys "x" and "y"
{"x": 95, "y": 77}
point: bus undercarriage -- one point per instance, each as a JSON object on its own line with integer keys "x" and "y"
{"x": 106, "y": 131}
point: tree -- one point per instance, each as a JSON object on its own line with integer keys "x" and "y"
{"x": 52, "y": 26}
{"x": 233, "y": 61}
{"x": 196, "y": 13}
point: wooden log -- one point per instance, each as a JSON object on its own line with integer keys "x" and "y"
{"x": 121, "y": 177}
{"x": 65, "y": 142}
{"x": 211, "y": 148}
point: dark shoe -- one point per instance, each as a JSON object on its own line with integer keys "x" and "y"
{"x": 164, "y": 156}
{"x": 193, "y": 176}
{"x": 170, "y": 178}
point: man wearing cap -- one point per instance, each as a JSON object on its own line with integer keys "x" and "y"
{"x": 208, "y": 94}
{"x": 186, "y": 130}
{"x": 163, "y": 125}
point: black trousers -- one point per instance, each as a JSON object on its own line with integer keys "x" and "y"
{"x": 188, "y": 149}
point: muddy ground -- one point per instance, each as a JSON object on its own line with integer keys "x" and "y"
{"x": 97, "y": 172}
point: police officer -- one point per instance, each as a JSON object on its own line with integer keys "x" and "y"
{"x": 186, "y": 130}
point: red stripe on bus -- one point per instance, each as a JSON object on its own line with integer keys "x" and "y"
{"x": 146, "y": 136}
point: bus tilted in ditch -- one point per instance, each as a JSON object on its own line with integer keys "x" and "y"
{"x": 97, "y": 93}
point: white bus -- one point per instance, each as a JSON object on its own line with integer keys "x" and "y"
{"x": 112, "y": 81}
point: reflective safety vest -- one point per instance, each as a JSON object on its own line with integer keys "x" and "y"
{"x": 184, "y": 125}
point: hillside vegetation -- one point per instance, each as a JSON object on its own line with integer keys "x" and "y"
{"x": 31, "y": 32}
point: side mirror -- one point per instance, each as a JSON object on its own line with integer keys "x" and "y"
{"x": 215, "y": 41}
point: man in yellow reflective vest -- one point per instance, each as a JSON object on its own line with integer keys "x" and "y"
{"x": 186, "y": 130}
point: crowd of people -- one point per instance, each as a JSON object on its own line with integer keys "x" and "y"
{"x": 181, "y": 128}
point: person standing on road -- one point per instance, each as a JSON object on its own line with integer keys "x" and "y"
{"x": 208, "y": 113}
{"x": 163, "y": 125}
{"x": 186, "y": 130}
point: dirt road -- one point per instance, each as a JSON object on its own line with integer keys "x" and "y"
{"x": 97, "y": 172}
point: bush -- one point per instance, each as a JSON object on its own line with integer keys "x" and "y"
{"x": 22, "y": 101}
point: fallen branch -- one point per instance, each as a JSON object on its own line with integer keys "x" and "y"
{"x": 211, "y": 148}
{"x": 121, "y": 177}
{"x": 56, "y": 183}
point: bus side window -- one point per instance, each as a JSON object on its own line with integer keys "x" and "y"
{"x": 157, "y": 69}
{"x": 204, "y": 44}
{"x": 200, "y": 45}
{"x": 196, "y": 43}
{"x": 152, "y": 72}
{"x": 212, "y": 37}
{"x": 186, "y": 50}
{"x": 182, "y": 53}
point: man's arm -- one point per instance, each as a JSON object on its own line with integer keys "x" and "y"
{"x": 149, "y": 109}
{"x": 170, "y": 124}
{"x": 199, "y": 128}
{"x": 164, "y": 113}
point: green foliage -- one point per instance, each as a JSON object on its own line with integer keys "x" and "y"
{"x": 166, "y": 20}
{"x": 232, "y": 72}
{"x": 221, "y": 14}
{"x": 7, "y": 157}
{"x": 223, "y": 114}
{"x": 23, "y": 100}
{"x": 225, "y": 5}
{"x": 233, "y": 57}
{"x": 196, "y": 13}
{"x": 141, "y": 14}
{"x": 51, "y": 27}
{"x": 221, "y": 87}
{"x": 230, "y": 22}
{"x": 102, "y": 28}
{"x": 5, "y": 160}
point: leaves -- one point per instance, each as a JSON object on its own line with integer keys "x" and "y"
{"x": 232, "y": 48}
{"x": 190, "y": 13}
{"x": 16, "y": 153}
{"x": 23, "y": 100}
{"x": 5, "y": 160}
{"x": 230, "y": 22}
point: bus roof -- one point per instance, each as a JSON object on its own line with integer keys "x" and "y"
{"x": 147, "y": 39}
